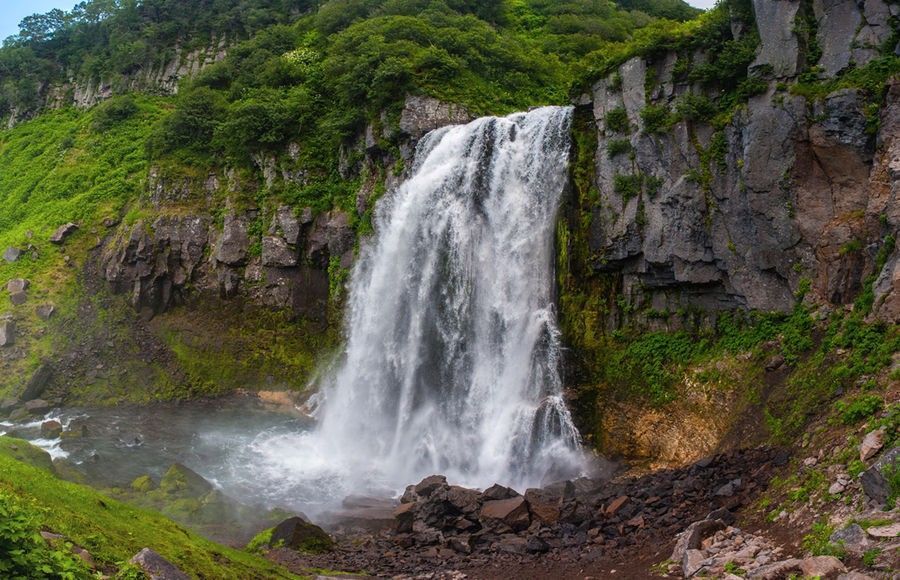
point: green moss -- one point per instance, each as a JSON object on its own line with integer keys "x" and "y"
{"x": 260, "y": 541}
{"x": 143, "y": 484}
{"x": 113, "y": 532}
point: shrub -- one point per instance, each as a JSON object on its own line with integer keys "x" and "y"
{"x": 114, "y": 111}
{"x": 617, "y": 120}
{"x": 692, "y": 107}
{"x": 618, "y": 147}
{"x": 628, "y": 186}
{"x": 858, "y": 409}
{"x": 657, "y": 118}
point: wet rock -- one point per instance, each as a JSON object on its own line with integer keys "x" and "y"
{"x": 823, "y": 567}
{"x": 7, "y": 332}
{"x": 62, "y": 233}
{"x": 298, "y": 534}
{"x": 511, "y": 513}
{"x": 51, "y": 429}
{"x": 12, "y": 254}
{"x": 156, "y": 567}
{"x": 45, "y": 311}
{"x": 37, "y": 406}
{"x": 182, "y": 481}
{"x": 871, "y": 444}
{"x": 38, "y": 382}
{"x": 874, "y": 483}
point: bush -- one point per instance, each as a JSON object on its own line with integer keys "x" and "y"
{"x": 692, "y": 107}
{"x": 114, "y": 111}
{"x": 628, "y": 186}
{"x": 657, "y": 118}
{"x": 617, "y": 120}
{"x": 859, "y": 408}
{"x": 617, "y": 147}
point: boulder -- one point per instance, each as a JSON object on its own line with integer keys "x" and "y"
{"x": 853, "y": 538}
{"x": 185, "y": 482}
{"x": 544, "y": 505}
{"x": 404, "y": 517}
{"x": 17, "y": 285}
{"x": 7, "y": 332}
{"x": 775, "y": 571}
{"x": 18, "y": 298}
{"x": 823, "y": 567}
{"x": 693, "y": 535}
{"x": 871, "y": 444}
{"x": 156, "y": 567}
{"x": 498, "y": 491}
{"x": 298, "y": 534}
{"x": 37, "y": 406}
{"x": 536, "y": 545}
{"x": 874, "y": 482}
{"x": 506, "y": 513}
{"x": 463, "y": 500}
{"x": 62, "y": 233}
{"x": 38, "y": 382}
{"x": 692, "y": 562}
{"x": 45, "y": 311}
{"x": 428, "y": 485}
{"x": 51, "y": 429}
{"x": 889, "y": 531}
{"x": 12, "y": 254}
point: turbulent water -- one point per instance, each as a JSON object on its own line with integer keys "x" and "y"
{"x": 452, "y": 361}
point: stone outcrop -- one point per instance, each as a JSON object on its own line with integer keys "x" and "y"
{"x": 792, "y": 191}
{"x": 423, "y": 114}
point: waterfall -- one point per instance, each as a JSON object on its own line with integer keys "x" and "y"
{"x": 452, "y": 358}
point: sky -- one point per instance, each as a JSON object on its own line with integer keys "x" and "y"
{"x": 13, "y": 11}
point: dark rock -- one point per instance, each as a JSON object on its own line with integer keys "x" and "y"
{"x": 428, "y": 485}
{"x": 464, "y": 500}
{"x": 331, "y": 236}
{"x": 51, "y": 429}
{"x": 774, "y": 363}
{"x": 404, "y": 516}
{"x": 18, "y": 298}
{"x": 535, "y": 545}
{"x": 62, "y": 233}
{"x": 511, "y": 544}
{"x": 853, "y": 538}
{"x": 45, "y": 311}
{"x": 12, "y": 254}
{"x": 287, "y": 223}
{"x": 461, "y": 544}
{"x": 615, "y": 505}
{"x": 157, "y": 567}
{"x": 780, "y": 47}
{"x": 511, "y": 513}
{"x": 38, "y": 382}
{"x": 544, "y": 505}
{"x": 498, "y": 491}
{"x": 7, "y": 332}
{"x": 276, "y": 253}
{"x": 234, "y": 245}
{"x": 37, "y": 406}
{"x": 298, "y": 534}
{"x": 874, "y": 483}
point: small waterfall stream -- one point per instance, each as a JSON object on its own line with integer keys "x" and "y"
{"x": 452, "y": 360}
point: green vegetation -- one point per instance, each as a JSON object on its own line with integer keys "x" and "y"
{"x": 616, "y": 147}
{"x": 617, "y": 120}
{"x": 817, "y": 542}
{"x": 657, "y": 118}
{"x": 111, "y": 531}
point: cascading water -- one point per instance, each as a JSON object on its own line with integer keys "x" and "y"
{"x": 452, "y": 359}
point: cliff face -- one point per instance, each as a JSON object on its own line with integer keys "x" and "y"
{"x": 790, "y": 192}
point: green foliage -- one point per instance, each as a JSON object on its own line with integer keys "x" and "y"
{"x": 628, "y": 186}
{"x": 858, "y": 409}
{"x": 657, "y": 118}
{"x": 260, "y": 541}
{"x": 817, "y": 541}
{"x": 891, "y": 474}
{"x": 616, "y": 147}
{"x": 870, "y": 556}
{"x": 24, "y": 553}
{"x": 616, "y": 120}
{"x": 691, "y": 107}
{"x": 648, "y": 365}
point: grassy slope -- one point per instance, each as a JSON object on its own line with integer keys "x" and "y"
{"x": 112, "y": 531}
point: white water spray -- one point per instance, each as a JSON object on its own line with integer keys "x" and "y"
{"x": 452, "y": 359}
